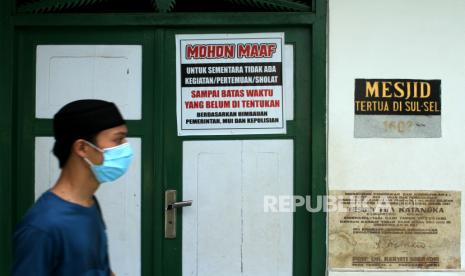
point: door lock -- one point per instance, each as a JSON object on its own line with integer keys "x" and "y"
{"x": 170, "y": 212}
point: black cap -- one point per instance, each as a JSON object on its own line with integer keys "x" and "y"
{"x": 82, "y": 118}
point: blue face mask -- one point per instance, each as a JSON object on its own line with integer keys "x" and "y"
{"x": 116, "y": 162}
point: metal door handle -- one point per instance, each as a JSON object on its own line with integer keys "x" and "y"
{"x": 179, "y": 204}
{"x": 170, "y": 212}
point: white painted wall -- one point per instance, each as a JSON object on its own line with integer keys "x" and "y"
{"x": 423, "y": 39}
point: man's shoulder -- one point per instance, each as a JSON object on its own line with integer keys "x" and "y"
{"x": 44, "y": 215}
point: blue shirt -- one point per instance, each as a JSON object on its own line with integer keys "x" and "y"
{"x": 57, "y": 237}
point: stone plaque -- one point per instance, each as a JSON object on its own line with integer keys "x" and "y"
{"x": 397, "y": 108}
{"x": 386, "y": 230}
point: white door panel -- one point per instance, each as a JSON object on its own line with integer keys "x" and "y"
{"x": 66, "y": 73}
{"x": 225, "y": 231}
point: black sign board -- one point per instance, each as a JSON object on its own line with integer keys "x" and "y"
{"x": 397, "y": 108}
{"x": 397, "y": 97}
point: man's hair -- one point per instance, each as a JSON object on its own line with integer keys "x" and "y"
{"x": 82, "y": 119}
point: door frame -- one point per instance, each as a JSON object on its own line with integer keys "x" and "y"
{"x": 17, "y": 125}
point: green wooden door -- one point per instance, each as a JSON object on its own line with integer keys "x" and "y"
{"x": 299, "y": 130}
{"x": 161, "y": 152}
{"x": 147, "y": 129}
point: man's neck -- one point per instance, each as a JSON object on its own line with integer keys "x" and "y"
{"x": 76, "y": 185}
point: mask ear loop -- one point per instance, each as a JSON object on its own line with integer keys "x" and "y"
{"x": 88, "y": 161}
{"x": 96, "y": 148}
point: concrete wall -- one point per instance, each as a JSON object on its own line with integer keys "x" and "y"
{"x": 418, "y": 39}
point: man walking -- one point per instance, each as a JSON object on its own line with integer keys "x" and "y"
{"x": 63, "y": 233}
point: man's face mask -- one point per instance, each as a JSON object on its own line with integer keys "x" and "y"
{"x": 116, "y": 162}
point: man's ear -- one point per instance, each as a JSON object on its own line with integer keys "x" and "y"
{"x": 80, "y": 148}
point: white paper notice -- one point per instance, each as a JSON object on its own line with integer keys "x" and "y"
{"x": 230, "y": 84}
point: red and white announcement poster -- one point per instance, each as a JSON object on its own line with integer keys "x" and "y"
{"x": 230, "y": 84}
